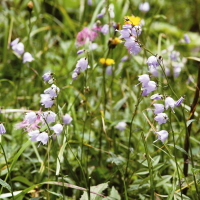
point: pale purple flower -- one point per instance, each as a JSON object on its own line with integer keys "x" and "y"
{"x": 14, "y": 42}
{"x": 157, "y": 96}
{"x": 150, "y": 87}
{"x": 53, "y": 91}
{"x": 2, "y": 129}
{"x": 144, "y": 79}
{"x": 186, "y": 38}
{"x": 125, "y": 33}
{"x": 144, "y": 7}
{"x": 49, "y": 116}
{"x": 31, "y": 117}
{"x": 177, "y": 67}
{"x": 161, "y": 118}
{"x": 169, "y": 102}
{"x": 89, "y": 2}
{"x": 121, "y": 126}
{"x": 162, "y": 135}
{"x": 159, "y": 108}
{"x": 43, "y": 138}
{"x": 175, "y": 55}
{"x": 105, "y": 29}
{"x": 136, "y": 30}
{"x": 132, "y": 45}
{"x": 18, "y": 48}
{"x": 179, "y": 102}
{"x": 153, "y": 71}
{"x": 74, "y": 75}
{"x": 124, "y": 58}
{"x": 47, "y": 100}
{"x": 109, "y": 70}
{"x": 152, "y": 61}
{"x": 33, "y": 135}
{"x": 67, "y": 119}
{"x": 58, "y": 128}
{"x": 27, "y": 57}
{"x": 47, "y": 76}
{"x": 82, "y": 65}
{"x": 80, "y": 51}
{"x": 100, "y": 15}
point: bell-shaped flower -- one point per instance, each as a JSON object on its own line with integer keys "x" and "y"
{"x": 105, "y": 29}
{"x": 27, "y": 57}
{"x": 67, "y": 119}
{"x": 121, "y": 126}
{"x": 152, "y": 61}
{"x": 47, "y": 76}
{"x": 33, "y": 135}
{"x": 162, "y": 135}
{"x": 132, "y": 45}
{"x": 136, "y": 30}
{"x": 161, "y": 118}
{"x": 157, "y": 96}
{"x": 53, "y": 91}
{"x": 144, "y": 7}
{"x": 151, "y": 86}
{"x": 144, "y": 79}
{"x": 58, "y": 128}
{"x": 47, "y": 100}
{"x": 43, "y": 138}
{"x": 186, "y": 38}
{"x": 169, "y": 102}
{"x": 31, "y": 117}
{"x": 82, "y": 64}
{"x": 179, "y": 102}
{"x": 18, "y": 48}
{"x": 159, "y": 108}
{"x": 14, "y": 42}
{"x": 2, "y": 129}
{"x": 49, "y": 116}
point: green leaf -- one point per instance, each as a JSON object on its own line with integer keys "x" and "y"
{"x": 98, "y": 189}
{"x": 22, "y": 180}
{"x": 179, "y": 148}
{"x": 4, "y": 184}
{"x": 114, "y": 194}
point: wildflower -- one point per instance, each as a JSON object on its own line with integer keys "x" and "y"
{"x": 152, "y": 61}
{"x": 80, "y": 51}
{"x": 177, "y": 68}
{"x": 18, "y": 48}
{"x": 107, "y": 61}
{"x": 161, "y": 118}
{"x": 113, "y": 42}
{"x": 186, "y": 38}
{"x": 132, "y": 20}
{"x": 2, "y": 129}
{"x": 144, "y": 7}
{"x": 100, "y": 15}
{"x": 31, "y": 117}
{"x": 58, "y": 128}
{"x": 49, "y": 116}
{"x": 14, "y": 42}
{"x": 179, "y": 102}
{"x": 150, "y": 87}
{"x": 132, "y": 45}
{"x": 144, "y": 79}
{"x": 43, "y": 138}
{"x": 121, "y": 126}
{"x": 125, "y": 58}
{"x": 111, "y": 11}
{"x": 33, "y": 135}
{"x": 53, "y": 91}
{"x": 162, "y": 135}
{"x": 159, "y": 108}
{"x": 157, "y": 96}
{"x": 175, "y": 55}
{"x": 105, "y": 29}
{"x": 82, "y": 65}
{"x": 27, "y": 57}
{"x": 136, "y": 30}
{"x": 67, "y": 119}
{"x": 109, "y": 70}
{"x": 47, "y": 76}
{"x": 169, "y": 102}
{"x": 89, "y": 2}
{"x": 47, "y": 100}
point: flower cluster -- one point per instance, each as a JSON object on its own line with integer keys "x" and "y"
{"x": 18, "y": 47}
{"x": 34, "y": 122}
{"x": 130, "y": 32}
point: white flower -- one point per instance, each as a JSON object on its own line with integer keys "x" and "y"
{"x": 144, "y": 7}
{"x": 49, "y": 116}
{"x": 67, "y": 119}
{"x": 58, "y": 128}
{"x": 27, "y": 57}
{"x": 34, "y": 135}
{"x": 43, "y": 138}
{"x": 31, "y": 117}
{"x": 162, "y": 135}
{"x": 121, "y": 126}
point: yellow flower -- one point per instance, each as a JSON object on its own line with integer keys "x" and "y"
{"x": 115, "y": 41}
{"x": 132, "y": 20}
{"x": 107, "y": 61}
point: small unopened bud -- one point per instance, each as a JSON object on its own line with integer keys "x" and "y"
{"x": 30, "y": 6}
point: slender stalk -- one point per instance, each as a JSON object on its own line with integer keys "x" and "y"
{"x": 4, "y": 154}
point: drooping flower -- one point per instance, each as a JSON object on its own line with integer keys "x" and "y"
{"x": 49, "y": 116}
{"x": 27, "y": 57}
{"x": 43, "y": 138}
{"x": 175, "y": 55}
{"x": 14, "y": 42}
{"x": 33, "y": 135}
{"x": 18, "y": 48}
{"x": 53, "y": 91}
{"x": 144, "y": 7}
{"x": 159, "y": 108}
{"x": 169, "y": 102}
{"x": 161, "y": 118}
{"x": 67, "y": 119}
{"x": 80, "y": 51}
{"x": 152, "y": 61}
{"x": 82, "y": 64}
{"x": 162, "y": 135}
{"x": 58, "y": 128}
{"x": 121, "y": 126}
{"x": 132, "y": 45}
{"x": 47, "y": 100}
{"x": 47, "y": 76}
{"x": 105, "y": 29}
{"x": 144, "y": 79}
{"x": 107, "y": 61}
{"x": 150, "y": 87}
{"x": 157, "y": 96}
{"x": 31, "y": 117}
{"x": 2, "y": 129}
